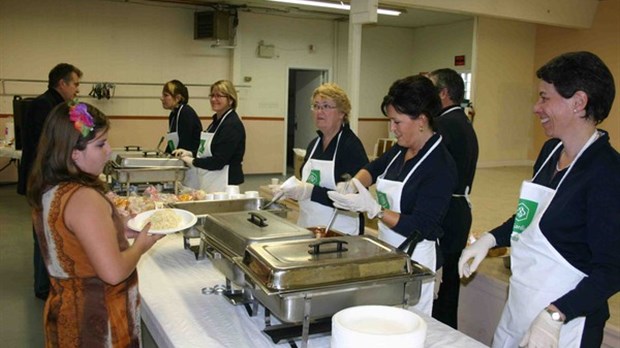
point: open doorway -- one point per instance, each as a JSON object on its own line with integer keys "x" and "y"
{"x": 300, "y": 125}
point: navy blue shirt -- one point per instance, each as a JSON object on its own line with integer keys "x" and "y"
{"x": 582, "y": 223}
{"x": 427, "y": 193}
{"x": 227, "y": 148}
{"x": 189, "y": 128}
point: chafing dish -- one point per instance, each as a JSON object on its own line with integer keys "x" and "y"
{"x": 226, "y": 235}
{"x": 310, "y": 280}
{"x": 202, "y": 208}
{"x": 129, "y": 169}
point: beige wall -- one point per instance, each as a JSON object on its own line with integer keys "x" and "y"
{"x": 503, "y": 90}
{"x": 603, "y": 39}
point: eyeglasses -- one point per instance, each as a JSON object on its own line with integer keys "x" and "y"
{"x": 321, "y": 107}
{"x": 217, "y": 96}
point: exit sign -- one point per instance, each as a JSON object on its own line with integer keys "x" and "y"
{"x": 459, "y": 60}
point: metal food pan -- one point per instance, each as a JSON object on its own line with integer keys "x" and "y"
{"x": 322, "y": 302}
{"x": 148, "y": 162}
{"x": 202, "y": 208}
{"x": 147, "y": 175}
{"x": 309, "y": 263}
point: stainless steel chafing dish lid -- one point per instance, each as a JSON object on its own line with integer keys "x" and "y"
{"x": 144, "y": 162}
{"x": 307, "y": 264}
{"x": 236, "y": 230}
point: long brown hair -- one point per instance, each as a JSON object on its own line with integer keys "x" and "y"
{"x": 54, "y": 164}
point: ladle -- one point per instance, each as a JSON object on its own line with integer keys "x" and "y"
{"x": 347, "y": 179}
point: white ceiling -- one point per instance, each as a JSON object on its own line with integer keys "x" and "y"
{"x": 411, "y": 18}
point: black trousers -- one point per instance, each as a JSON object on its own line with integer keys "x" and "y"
{"x": 41, "y": 278}
{"x": 445, "y": 307}
{"x": 456, "y": 226}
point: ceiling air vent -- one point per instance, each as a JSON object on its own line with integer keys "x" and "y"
{"x": 211, "y": 25}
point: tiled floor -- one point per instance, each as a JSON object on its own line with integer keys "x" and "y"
{"x": 494, "y": 195}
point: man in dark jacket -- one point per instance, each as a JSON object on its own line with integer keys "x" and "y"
{"x": 63, "y": 85}
{"x": 460, "y": 139}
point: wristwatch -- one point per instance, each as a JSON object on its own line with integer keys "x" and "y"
{"x": 555, "y": 315}
{"x": 381, "y": 213}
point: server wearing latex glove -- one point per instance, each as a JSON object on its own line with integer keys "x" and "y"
{"x": 295, "y": 189}
{"x": 333, "y": 155}
{"x": 564, "y": 236}
{"x": 182, "y": 153}
{"x": 414, "y": 179}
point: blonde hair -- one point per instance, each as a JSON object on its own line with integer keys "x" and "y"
{"x": 334, "y": 92}
{"x": 226, "y": 88}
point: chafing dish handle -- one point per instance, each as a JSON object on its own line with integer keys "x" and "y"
{"x": 257, "y": 219}
{"x": 132, "y": 148}
{"x": 409, "y": 244}
{"x": 316, "y": 247}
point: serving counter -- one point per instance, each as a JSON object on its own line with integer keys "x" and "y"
{"x": 178, "y": 314}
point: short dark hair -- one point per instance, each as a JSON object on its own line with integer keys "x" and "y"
{"x": 413, "y": 96}
{"x": 586, "y": 72}
{"x": 62, "y": 71}
{"x": 176, "y": 87}
{"x": 452, "y": 81}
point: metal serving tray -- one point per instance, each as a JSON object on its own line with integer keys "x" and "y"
{"x": 234, "y": 231}
{"x": 124, "y": 161}
{"x": 303, "y": 264}
{"x": 295, "y": 282}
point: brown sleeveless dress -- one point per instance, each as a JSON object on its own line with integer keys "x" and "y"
{"x": 82, "y": 310}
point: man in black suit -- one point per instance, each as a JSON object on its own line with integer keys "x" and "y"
{"x": 63, "y": 85}
{"x": 460, "y": 139}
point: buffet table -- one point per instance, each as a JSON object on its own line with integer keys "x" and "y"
{"x": 178, "y": 314}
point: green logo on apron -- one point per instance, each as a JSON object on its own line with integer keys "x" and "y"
{"x": 171, "y": 145}
{"x": 524, "y": 215}
{"x": 201, "y": 148}
{"x": 315, "y": 177}
{"x": 383, "y": 200}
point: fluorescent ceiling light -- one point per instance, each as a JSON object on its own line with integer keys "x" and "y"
{"x": 340, "y": 6}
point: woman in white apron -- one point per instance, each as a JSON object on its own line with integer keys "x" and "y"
{"x": 335, "y": 152}
{"x": 219, "y": 156}
{"x": 184, "y": 125}
{"x": 564, "y": 235}
{"x": 415, "y": 179}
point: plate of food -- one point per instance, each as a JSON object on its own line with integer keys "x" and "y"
{"x": 163, "y": 221}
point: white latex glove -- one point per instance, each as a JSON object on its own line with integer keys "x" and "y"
{"x": 297, "y": 190}
{"x": 478, "y": 251}
{"x": 188, "y": 160}
{"x": 345, "y": 187}
{"x": 182, "y": 153}
{"x": 544, "y": 332}
{"x": 360, "y": 202}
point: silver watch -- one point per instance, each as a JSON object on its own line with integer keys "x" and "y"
{"x": 381, "y": 213}
{"x": 555, "y": 316}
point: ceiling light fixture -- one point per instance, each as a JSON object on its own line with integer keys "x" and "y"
{"x": 338, "y": 6}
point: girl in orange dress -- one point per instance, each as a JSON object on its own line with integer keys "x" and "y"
{"x": 93, "y": 300}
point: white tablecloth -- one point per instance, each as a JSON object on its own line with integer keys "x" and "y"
{"x": 177, "y": 314}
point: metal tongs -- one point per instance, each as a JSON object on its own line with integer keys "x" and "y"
{"x": 347, "y": 178}
{"x": 276, "y": 197}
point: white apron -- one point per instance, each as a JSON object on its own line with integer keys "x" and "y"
{"x": 208, "y": 180}
{"x": 540, "y": 274}
{"x": 321, "y": 173}
{"x": 389, "y": 195}
{"x": 172, "y": 138}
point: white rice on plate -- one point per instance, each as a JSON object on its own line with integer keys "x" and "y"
{"x": 164, "y": 219}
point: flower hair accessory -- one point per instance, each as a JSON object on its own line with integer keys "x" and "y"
{"x": 82, "y": 120}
